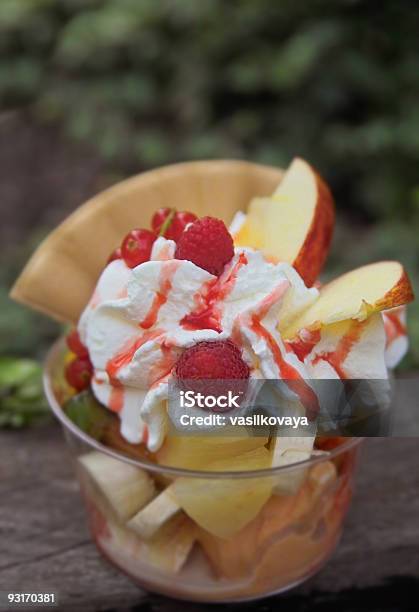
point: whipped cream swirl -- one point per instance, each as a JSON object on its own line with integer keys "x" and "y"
{"x": 139, "y": 321}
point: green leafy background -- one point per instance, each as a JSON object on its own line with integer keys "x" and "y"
{"x": 124, "y": 85}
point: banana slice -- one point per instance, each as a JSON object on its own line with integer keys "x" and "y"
{"x": 126, "y": 488}
{"x": 301, "y": 445}
{"x": 289, "y": 450}
{"x": 167, "y": 551}
{"x": 149, "y": 520}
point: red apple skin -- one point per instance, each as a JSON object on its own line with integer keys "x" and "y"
{"x": 313, "y": 253}
{"x": 402, "y": 293}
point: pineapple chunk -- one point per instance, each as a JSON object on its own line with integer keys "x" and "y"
{"x": 222, "y": 506}
{"x": 149, "y": 520}
{"x": 199, "y": 452}
{"x": 125, "y": 487}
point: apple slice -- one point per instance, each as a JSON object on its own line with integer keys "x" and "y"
{"x": 356, "y": 295}
{"x": 295, "y": 224}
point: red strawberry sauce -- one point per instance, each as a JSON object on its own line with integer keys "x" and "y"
{"x": 337, "y": 357}
{"x": 125, "y": 356}
{"x": 116, "y": 398}
{"x": 207, "y": 313}
{"x": 291, "y": 376}
{"x": 394, "y": 326}
{"x": 165, "y": 285}
{"x": 303, "y": 346}
{"x": 121, "y": 359}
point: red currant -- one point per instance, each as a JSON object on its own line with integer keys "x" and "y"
{"x": 171, "y": 222}
{"x": 79, "y": 373}
{"x": 181, "y": 220}
{"x": 136, "y": 247}
{"x": 116, "y": 254}
{"x": 159, "y": 218}
{"x": 75, "y": 344}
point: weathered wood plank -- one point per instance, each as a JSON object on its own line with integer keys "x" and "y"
{"x": 44, "y": 543}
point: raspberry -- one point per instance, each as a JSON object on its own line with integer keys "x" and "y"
{"x": 210, "y": 367}
{"x": 207, "y": 243}
{"x": 170, "y": 224}
{"x": 216, "y": 359}
{"x": 136, "y": 247}
{"x": 79, "y": 373}
{"x": 75, "y": 344}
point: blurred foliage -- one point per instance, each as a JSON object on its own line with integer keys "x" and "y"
{"x": 21, "y": 397}
{"x": 148, "y": 83}
{"x": 22, "y": 331}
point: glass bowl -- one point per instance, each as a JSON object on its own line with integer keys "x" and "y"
{"x": 168, "y": 528}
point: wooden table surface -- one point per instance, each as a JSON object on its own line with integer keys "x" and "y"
{"x": 45, "y": 545}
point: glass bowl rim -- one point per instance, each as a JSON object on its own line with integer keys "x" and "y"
{"x": 158, "y": 468}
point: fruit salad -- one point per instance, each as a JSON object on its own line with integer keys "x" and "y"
{"x": 192, "y": 297}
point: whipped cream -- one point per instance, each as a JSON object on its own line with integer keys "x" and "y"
{"x": 397, "y": 341}
{"x": 139, "y": 321}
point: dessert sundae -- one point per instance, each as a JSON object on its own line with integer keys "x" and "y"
{"x": 226, "y": 290}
